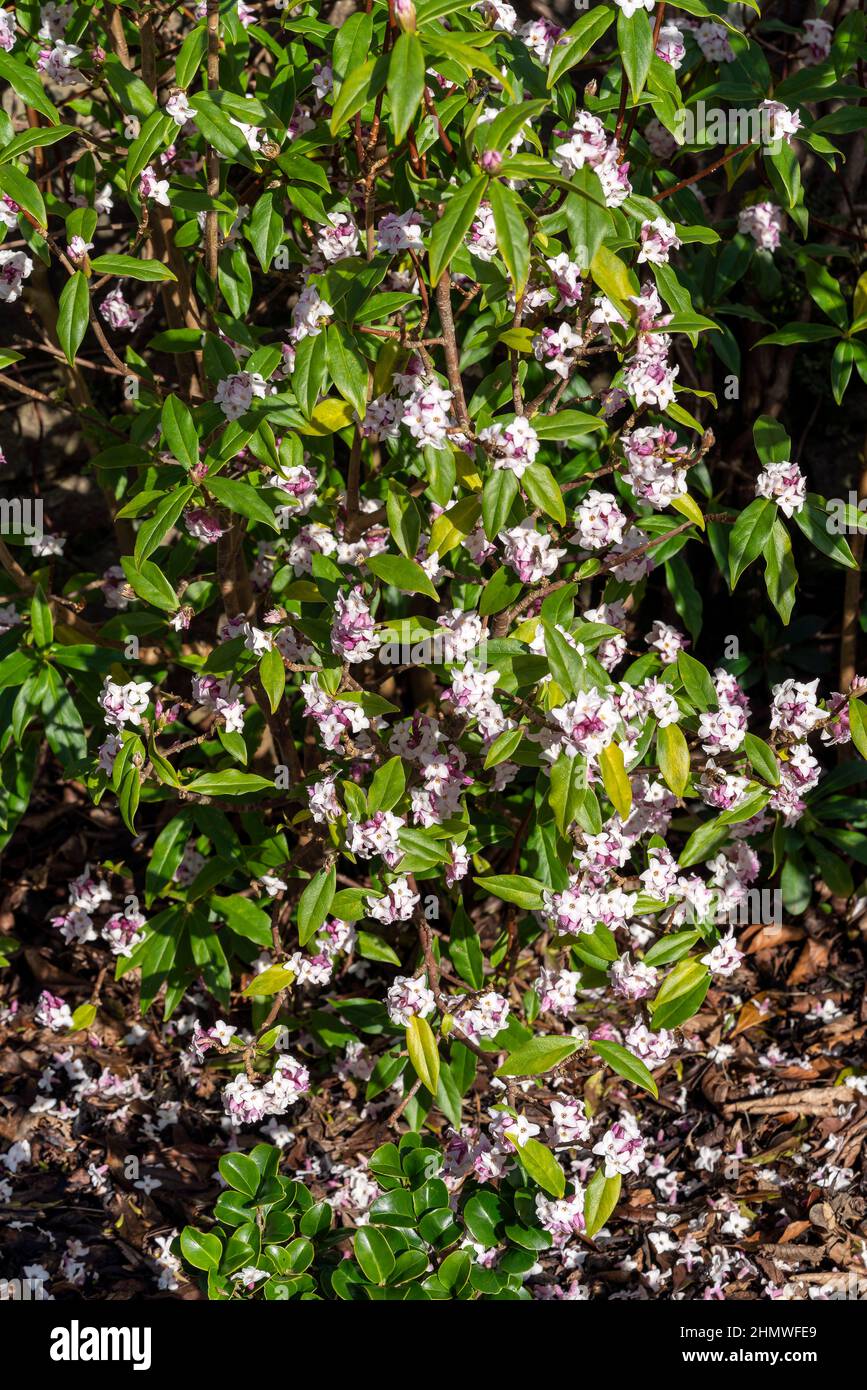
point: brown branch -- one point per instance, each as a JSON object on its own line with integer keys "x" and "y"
{"x": 702, "y": 173}
{"x": 453, "y": 370}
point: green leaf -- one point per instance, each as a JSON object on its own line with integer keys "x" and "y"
{"x": 166, "y": 855}
{"x": 781, "y": 577}
{"x": 405, "y": 574}
{"x": 24, "y": 192}
{"x": 600, "y": 1199}
{"x": 219, "y": 131}
{"x": 565, "y": 424}
{"x": 406, "y": 79}
{"x": 842, "y": 362}
{"x": 635, "y": 44}
{"x": 702, "y": 843}
{"x": 587, "y": 221}
{"x": 404, "y": 521}
{"x": 697, "y": 682}
{"x": 465, "y": 949}
{"x": 762, "y": 759}
{"x": 749, "y": 534}
{"x": 423, "y": 1052}
{"x": 128, "y": 796}
{"x": 387, "y": 787}
{"x": 64, "y": 729}
{"x": 83, "y": 1018}
{"x": 347, "y": 367}
{"x": 41, "y": 624}
{"x": 672, "y": 754}
{"x": 773, "y": 445}
{"x": 792, "y": 333}
{"x": 315, "y": 902}
{"x": 541, "y": 1165}
{"x": 824, "y": 289}
{"x": 373, "y": 1254}
{"x": 452, "y": 227}
{"x": 34, "y": 139}
{"x": 483, "y": 1215}
{"x": 73, "y": 314}
{"x": 858, "y": 725}
{"x": 242, "y": 498}
{"x": 349, "y": 904}
{"x": 244, "y": 918}
{"x": 538, "y": 1055}
{"x": 230, "y": 782}
{"x": 503, "y": 747}
{"x": 155, "y": 135}
{"x": 812, "y": 519}
{"x": 179, "y": 431}
{"x": 191, "y": 56}
{"x": 360, "y": 85}
{"x": 498, "y": 494}
{"x": 265, "y": 228}
{"x": 310, "y": 372}
{"x": 240, "y": 1172}
{"x": 133, "y": 267}
{"x": 200, "y": 1249}
{"x": 672, "y": 947}
{"x": 513, "y": 241}
{"x": 151, "y": 532}
{"x": 626, "y": 1065}
{"x": 373, "y": 947}
{"x": 543, "y": 491}
{"x": 27, "y": 86}
{"x": 272, "y": 674}
{"x": 514, "y": 888}
{"x": 577, "y": 41}
{"x": 351, "y": 45}
{"x": 150, "y": 584}
{"x": 680, "y": 995}
{"x": 568, "y": 779}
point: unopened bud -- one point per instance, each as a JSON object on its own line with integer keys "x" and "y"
{"x": 404, "y": 13}
{"x": 491, "y": 161}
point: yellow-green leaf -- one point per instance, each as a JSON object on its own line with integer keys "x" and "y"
{"x": 615, "y": 779}
{"x": 271, "y": 981}
{"x": 614, "y": 279}
{"x": 688, "y": 507}
{"x": 673, "y": 755}
{"x": 541, "y": 1165}
{"x": 328, "y": 417}
{"x": 858, "y": 726}
{"x": 423, "y": 1053}
{"x": 600, "y": 1199}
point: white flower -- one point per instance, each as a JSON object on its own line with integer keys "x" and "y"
{"x": 658, "y": 239}
{"x": 179, "y": 108}
{"x": 15, "y": 267}
{"x": 124, "y": 704}
{"x": 409, "y": 998}
{"x": 235, "y": 393}
{"x": 338, "y": 239}
{"x": 309, "y": 315}
{"x": 764, "y": 223}
{"x": 783, "y": 483}
{"x": 154, "y": 188}
{"x": 631, "y": 7}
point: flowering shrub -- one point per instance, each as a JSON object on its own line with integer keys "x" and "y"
{"x": 398, "y": 345}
